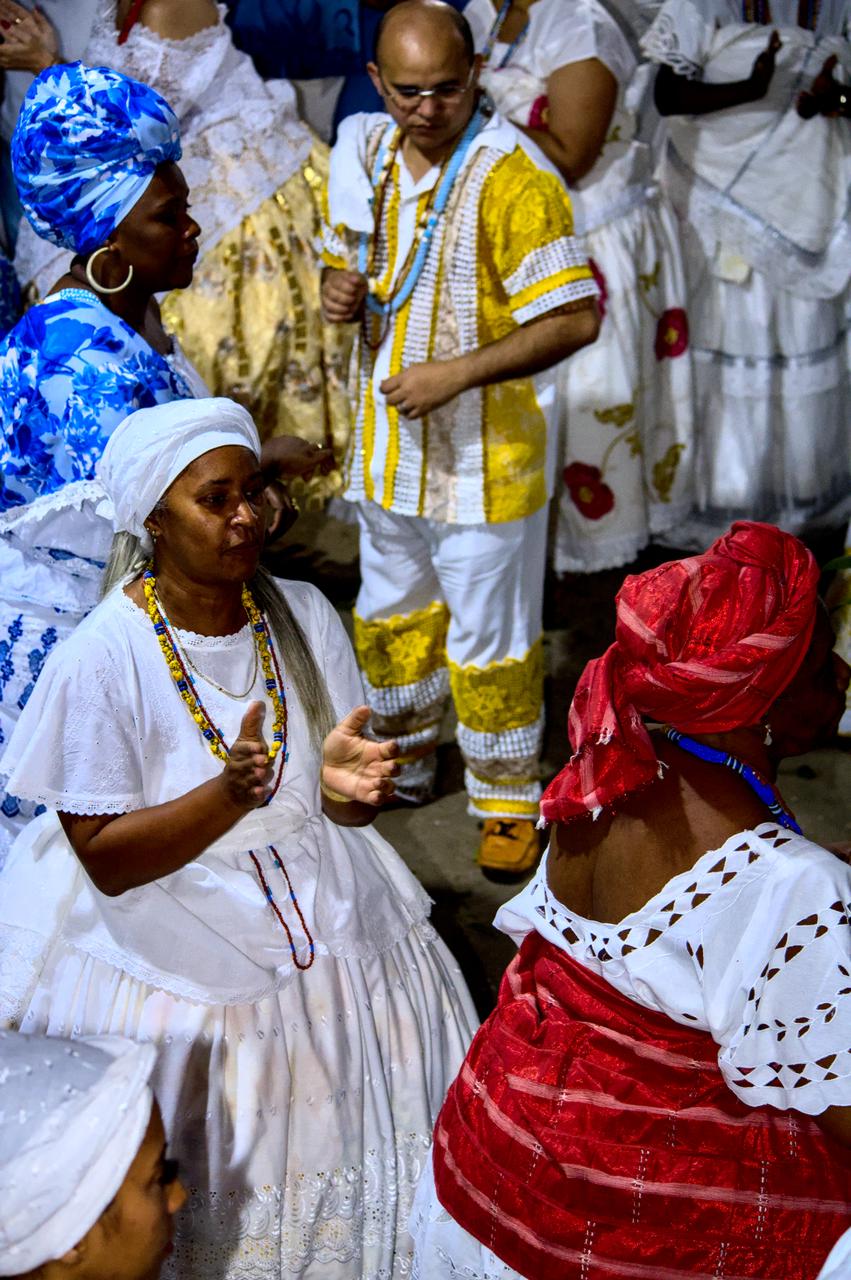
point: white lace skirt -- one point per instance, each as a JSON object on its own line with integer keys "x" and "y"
{"x": 443, "y": 1250}
{"x": 627, "y": 400}
{"x": 771, "y": 378}
{"x": 301, "y": 1123}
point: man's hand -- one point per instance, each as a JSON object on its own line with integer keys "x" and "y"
{"x": 421, "y": 388}
{"x": 762, "y": 71}
{"x": 28, "y": 41}
{"x": 291, "y": 458}
{"x": 247, "y": 774}
{"x": 343, "y": 294}
{"x": 355, "y": 767}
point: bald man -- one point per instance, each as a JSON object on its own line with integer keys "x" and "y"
{"x": 454, "y": 250}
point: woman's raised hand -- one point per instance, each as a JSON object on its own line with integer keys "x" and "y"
{"x": 356, "y": 768}
{"x": 28, "y": 41}
{"x": 248, "y": 773}
{"x": 762, "y": 71}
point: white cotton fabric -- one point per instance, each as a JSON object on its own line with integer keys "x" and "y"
{"x": 301, "y": 1104}
{"x": 105, "y": 731}
{"x": 148, "y": 451}
{"x": 760, "y": 180}
{"x": 754, "y": 947}
{"x": 72, "y": 1118}
{"x": 763, "y": 202}
{"x": 838, "y": 1264}
{"x": 562, "y": 32}
{"x": 491, "y": 578}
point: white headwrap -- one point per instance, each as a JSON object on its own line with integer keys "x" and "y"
{"x": 150, "y": 448}
{"x": 72, "y": 1118}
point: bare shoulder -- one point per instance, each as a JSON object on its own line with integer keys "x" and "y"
{"x": 174, "y": 19}
{"x": 608, "y": 868}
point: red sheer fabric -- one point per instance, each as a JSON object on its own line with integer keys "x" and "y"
{"x": 705, "y": 644}
{"x": 130, "y": 21}
{"x": 587, "y": 1137}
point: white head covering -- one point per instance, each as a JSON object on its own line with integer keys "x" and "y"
{"x": 150, "y": 448}
{"x": 72, "y": 1118}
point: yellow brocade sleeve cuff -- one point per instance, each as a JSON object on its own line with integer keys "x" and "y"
{"x": 527, "y": 222}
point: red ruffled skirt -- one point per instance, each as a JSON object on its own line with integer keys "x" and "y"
{"x": 587, "y": 1137}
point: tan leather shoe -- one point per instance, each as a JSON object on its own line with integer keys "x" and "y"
{"x": 509, "y": 849}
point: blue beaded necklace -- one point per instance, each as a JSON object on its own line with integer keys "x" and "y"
{"x": 494, "y": 33}
{"x": 762, "y": 789}
{"x": 380, "y": 176}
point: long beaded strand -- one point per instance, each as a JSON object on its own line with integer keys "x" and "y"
{"x": 215, "y": 740}
{"x": 186, "y": 687}
{"x": 494, "y": 35}
{"x": 408, "y": 277}
{"x": 293, "y": 899}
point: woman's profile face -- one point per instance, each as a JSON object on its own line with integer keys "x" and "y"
{"x": 210, "y": 528}
{"x": 807, "y": 713}
{"x": 132, "y": 1237}
{"x": 159, "y": 236}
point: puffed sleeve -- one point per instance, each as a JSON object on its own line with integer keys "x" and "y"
{"x": 585, "y": 31}
{"x": 526, "y": 220}
{"x": 680, "y": 37}
{"x": 347, "y": 199}
{"x": 779, "y": 993}
{"x": 329, "y": 643}
{"x": 76, "y": 746}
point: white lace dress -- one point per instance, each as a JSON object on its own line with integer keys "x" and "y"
{"x": 626, "y": 401}
{"x": 752, "y": 944}
{"x": 763, "y": 198}
{"x": 300, "y": 1104}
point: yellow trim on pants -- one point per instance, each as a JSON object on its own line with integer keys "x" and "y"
{"x": 502, "y": 695}
{"x": 403, "y": 649}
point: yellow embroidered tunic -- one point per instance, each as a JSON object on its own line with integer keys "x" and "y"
{"x": 503, "y": 254}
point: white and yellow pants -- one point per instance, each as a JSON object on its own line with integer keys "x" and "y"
{"x": 454, "y": 607}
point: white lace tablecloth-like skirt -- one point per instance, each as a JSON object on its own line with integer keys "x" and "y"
{"x": 301, "y": 1122}
{"x": 772, "y": 387}
{"x": 443, "y": 1250}
{"x": 627, "y": 412}
{"x": 41, "y": 602}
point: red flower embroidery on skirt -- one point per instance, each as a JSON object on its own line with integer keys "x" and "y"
{"x": 600, "y": 281}
{"x": 593, "y": 498}
{"x": 539, "y": 113}
{"x": 672, "y": 334}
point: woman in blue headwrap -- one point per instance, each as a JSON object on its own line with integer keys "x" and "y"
{"x": 95, "y": 157}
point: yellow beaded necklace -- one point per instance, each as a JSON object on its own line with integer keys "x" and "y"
{"x": 186, "y": 686}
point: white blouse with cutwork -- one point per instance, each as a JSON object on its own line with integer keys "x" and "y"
{"x": 753, "y": 945}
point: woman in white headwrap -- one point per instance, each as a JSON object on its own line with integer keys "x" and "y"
{"x": 222, "y": 902}
{"x": 85, "y": 1186}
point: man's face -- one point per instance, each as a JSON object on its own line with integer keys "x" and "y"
{"x": 407, "y": 65}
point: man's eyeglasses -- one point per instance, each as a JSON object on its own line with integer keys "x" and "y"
{"x": 409, "y": 96}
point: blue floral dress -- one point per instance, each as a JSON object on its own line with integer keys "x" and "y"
{"x": 70, "y": 371}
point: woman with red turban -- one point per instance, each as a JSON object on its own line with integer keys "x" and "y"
{"x": 669, "y": 1094}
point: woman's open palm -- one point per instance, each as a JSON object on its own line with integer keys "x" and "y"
{"x": 357, "y": 767}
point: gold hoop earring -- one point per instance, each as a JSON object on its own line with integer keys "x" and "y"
{"x": 101, "y": 288}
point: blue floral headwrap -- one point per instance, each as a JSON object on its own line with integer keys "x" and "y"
{"x": 84, "y": 150}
